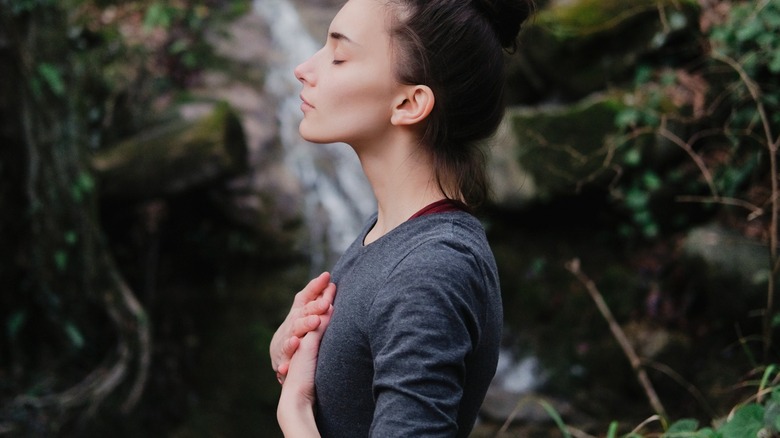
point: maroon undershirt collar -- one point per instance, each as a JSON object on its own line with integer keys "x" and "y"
{"x": 439, "y": 206}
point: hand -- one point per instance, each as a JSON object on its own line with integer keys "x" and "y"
{"x": 295, "y": 411}
{"x": 308, "y": 307}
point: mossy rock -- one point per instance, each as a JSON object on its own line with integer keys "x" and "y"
{"x": 564, "y": 147}
{"x": 174, "y": 157}
{"x": 574, "y": 48}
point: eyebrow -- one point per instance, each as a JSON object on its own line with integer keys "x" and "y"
{"x": 341, "y": 37}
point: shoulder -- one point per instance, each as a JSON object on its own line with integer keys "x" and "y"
{"x": 446, "y": 257}
{"x": 447, "y": 241}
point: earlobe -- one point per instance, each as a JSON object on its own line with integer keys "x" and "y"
{"x": 414, "y": 105}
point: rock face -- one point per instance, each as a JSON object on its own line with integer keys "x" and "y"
{"x": 174, "y": 157}
{"x": 575, "y": 47}
{"x": 557, "y": 148}
{"x": 568, "y": 85}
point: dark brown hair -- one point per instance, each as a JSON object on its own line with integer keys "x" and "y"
{"x": 455, "y": 48}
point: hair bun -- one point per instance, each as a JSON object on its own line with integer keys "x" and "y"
{"x": 506, "y": 17}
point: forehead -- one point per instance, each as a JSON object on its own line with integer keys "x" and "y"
{"x": 362, "y": 21}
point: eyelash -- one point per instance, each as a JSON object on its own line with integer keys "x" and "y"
{"x": 337, "y": 61}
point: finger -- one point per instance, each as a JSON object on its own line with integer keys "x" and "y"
{"x": 321, "y": 304}
{"x": 317, "y": 307}
{"x": 310, "y": 344}
{"x": 288, "y": 348}
{"x": 313, "y": 289}
{"x": 330, "y": 293}
{"x": 301, "y": 326}
{"x": 325, "y": 319}
{"x": 283, "y": 369}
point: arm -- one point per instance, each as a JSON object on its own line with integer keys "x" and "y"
{"x": 441, "y": 316}
{"x": 295, "y": 411}
{"x": 425, "y": 326}
{"x": 308, "y": 307}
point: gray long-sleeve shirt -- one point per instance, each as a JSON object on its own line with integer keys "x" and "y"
{"x": 413, "y": 342}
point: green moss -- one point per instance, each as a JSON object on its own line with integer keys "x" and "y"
{"x": 584, "y": 17}
{"x": 564, "y": 146}
{"x": 174, "y": 156}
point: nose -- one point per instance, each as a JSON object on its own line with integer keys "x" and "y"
{"x": 303, "y": 72}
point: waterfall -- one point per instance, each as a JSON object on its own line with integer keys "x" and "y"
{"x": 337, "y": 196}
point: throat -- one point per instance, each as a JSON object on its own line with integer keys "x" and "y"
{"x": 381, "y": 228}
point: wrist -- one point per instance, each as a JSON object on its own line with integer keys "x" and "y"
{"x": 295, "y": 415}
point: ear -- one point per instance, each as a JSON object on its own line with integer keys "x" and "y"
{"x": 413, "y": 105}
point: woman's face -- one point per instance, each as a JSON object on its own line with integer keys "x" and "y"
{"x": 349, "y": 85}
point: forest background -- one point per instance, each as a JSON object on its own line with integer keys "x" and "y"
{"x": 152, "y": 234}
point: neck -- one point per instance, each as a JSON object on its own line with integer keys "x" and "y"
{"x": 402, "y": 177}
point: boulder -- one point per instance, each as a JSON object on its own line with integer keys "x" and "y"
{"x": 553, "y": 150}
{"x": 173, "y": 158}
{"x": 575, "y": 47}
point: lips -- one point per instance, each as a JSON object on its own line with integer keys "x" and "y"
{"x": 305, "y": 103}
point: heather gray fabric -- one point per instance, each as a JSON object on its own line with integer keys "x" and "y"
{"x": 414, "y": 338}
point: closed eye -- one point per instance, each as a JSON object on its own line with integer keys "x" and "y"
{"x": 338, "y": 61}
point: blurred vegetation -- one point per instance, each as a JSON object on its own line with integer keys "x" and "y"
{"x": 84, "y": 334}
{"x": 696, "y": 131}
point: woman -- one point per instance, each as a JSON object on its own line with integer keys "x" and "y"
{"x": 413, "y": 332}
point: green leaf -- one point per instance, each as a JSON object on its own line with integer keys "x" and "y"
{"x": 651, "y": 181}
{"x": 749, "y": 31}
{"x": 83, "y": 185}
{"x": 643, "y": 75}
{"x": 61, "y": 260}
{"x": 178, "y": 46}
{"x": 15, "y": 323}
{"x": 71, "y": 237}
{"x": 772, "y": 414}
{"x": 650, "y": 229}
{"x": 774, "y": 63}
{"x": 74, "y": 334}
{"x": 684, "y": 425}
{"x": 158, "y": 15}
{"x": 745, "y": 423}
{"x": 627, "y": 118}
{"x": 632, "y": 157}
{"x": 51, "y": 75}
{"x": 612, "y": 431}
{"x": 707, "y": 433}
{"x": 557, "y": 418}
{"x": 85, "y": 182}
{"x": 766, "y": 376}
{"x": 636, "y": 199}
{"x": 668, "y": 78}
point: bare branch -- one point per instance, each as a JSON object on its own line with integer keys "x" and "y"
{"x": 755, "y": 211}
{"x": 573, "y": 266}
{"x": 686, "y": 146}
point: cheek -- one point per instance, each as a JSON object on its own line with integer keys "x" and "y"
{"x": 367, "y": 95}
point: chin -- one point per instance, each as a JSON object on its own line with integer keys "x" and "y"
{"x": 313, "y": 138}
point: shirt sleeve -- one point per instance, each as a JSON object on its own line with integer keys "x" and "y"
{"x": 424, "y": 324}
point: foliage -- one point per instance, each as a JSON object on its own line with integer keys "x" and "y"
{"x": 722, "y": 117}
{"x": 708, "y": 114}
{"x": 697, "y": 140}
{"x": 85, "y": 73}
{"x": 753, "y": 419}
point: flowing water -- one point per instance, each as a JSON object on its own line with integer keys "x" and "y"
{"x": 338, "y": 198}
